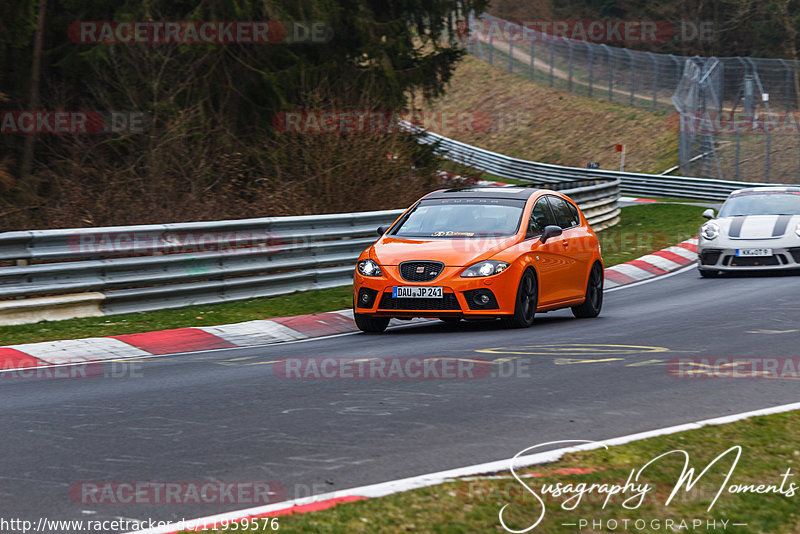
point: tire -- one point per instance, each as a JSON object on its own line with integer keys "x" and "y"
{"x": 708, "y": 274}
{"x": 526, "y": 301}
{"x": 594, "y": 295}
{"x": 371, "y": 325}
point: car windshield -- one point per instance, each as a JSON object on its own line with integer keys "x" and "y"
{"x": 462, "y": 218}
{"x": 777, "y": 203}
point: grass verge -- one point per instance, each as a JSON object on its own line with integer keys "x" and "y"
{"x": 642, "y": 229}
{"x": 769, "y": 447}
{"x": 299, "y": 303}
{"x": 649, "y": 227}
{"x": 538, "y": 123}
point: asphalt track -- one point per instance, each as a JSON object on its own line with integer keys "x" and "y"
{"x": 226, "y": 416}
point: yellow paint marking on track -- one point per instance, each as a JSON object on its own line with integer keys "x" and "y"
{"x": 574, "y": 350}
{"x": 436, "y": 359}
{"x": 647, "y": 363}
{"x": 573, "y": 361}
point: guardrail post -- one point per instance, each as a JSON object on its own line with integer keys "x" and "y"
{"x": 610, "y": 72}
{"x": 510, "y": 55}
{"x": 678, "y": 66}
{"x": 533, "y": 55}
{"x": 655, "y": 79}
{"x": 569, "y": 85}
{"x": 787, "y": 85}
{"x": 632, "y": 74}
{"x": 766, "y": 163}
{"x": 590, "y": 49}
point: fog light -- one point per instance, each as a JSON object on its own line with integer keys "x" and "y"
{"x": 481, "y": 299}
{"x": 364, "y": 298}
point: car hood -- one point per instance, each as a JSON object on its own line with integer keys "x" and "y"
{"x": 451, "y": 252}
{"x": 758, "y": 226}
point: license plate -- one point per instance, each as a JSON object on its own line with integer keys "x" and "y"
{"x": 416, "y": 292}
{"x": 753, "y": 252}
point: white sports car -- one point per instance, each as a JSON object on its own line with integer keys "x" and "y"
{"x": 756, "y": 229}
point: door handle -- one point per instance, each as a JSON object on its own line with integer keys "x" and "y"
{"x": 565, "y": 242}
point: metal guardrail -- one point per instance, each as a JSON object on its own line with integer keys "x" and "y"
{"x": 541, "y": 173}
{"x": 127, "y": 269}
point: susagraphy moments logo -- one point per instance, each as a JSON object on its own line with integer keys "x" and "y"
{"x": 636, "y": 489}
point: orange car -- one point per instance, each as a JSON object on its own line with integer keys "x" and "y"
{"x": 481, "y": 253}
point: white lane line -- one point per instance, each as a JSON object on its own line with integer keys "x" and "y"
{"x": 433, "y": 479}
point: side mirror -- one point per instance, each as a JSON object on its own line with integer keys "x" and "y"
{"x": 550, "y": 232}
{"x": 382, "y": 230}
{"x": 709, "y": 214}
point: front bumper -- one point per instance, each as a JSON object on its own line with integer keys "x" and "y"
{"x": 723, "y": 258}
{"x": 461, "y": 296}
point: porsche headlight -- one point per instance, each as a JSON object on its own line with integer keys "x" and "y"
{"x": 485, "y": 268}
{"x": 709, "y": 230}
{"x": 368, "y": 268}
{"x": 797, "y": 230}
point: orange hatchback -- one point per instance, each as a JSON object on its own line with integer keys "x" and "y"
{"x": 481, "y": 253}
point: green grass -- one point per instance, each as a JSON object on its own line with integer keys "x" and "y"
{"x": 298, "y": 303}
{"x": 769, "y": 447}
{"x": 539, "y": 123}
{"x": 647, "y": 228}
{"x": 680, "y": 200}
{"x": 642, "y": 229}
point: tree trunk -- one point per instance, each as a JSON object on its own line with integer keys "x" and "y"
{"x": 28, "y": 187}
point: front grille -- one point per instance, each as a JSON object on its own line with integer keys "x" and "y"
{"x": 753, "y": 262}
{"x": 420, "y": 271}
{"x": 795, "y": 254}
{"x": 709, "y": 257}
{"x": 447, "y": 302}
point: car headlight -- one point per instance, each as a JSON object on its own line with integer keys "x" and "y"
{"x": 485, "y": 268}
{"x": 797, "y": 229}
{"x": 709, "y": 230}
{"x": 368, "y": 268}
